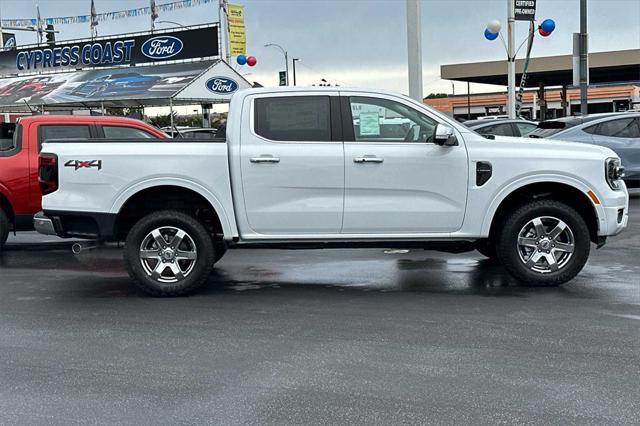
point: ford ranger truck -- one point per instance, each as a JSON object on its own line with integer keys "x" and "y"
{"x": 19, "y": 188}
{"x": 329, "y": 167}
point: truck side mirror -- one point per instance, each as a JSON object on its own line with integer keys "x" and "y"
{"x": 445, "y": 136}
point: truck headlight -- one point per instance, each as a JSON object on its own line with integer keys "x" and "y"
{"x": 614, "y": 172}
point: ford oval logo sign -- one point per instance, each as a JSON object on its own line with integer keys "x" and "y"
{"x": 162, "y": 47}
{"x": 222, "y": 85}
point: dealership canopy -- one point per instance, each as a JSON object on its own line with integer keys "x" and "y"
{"x": 174, "y": 67}
{"x": 155, "y": 85}
{"x": 604, "y": 67}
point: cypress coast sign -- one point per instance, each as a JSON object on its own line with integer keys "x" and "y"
{"x": 128, "y": 49}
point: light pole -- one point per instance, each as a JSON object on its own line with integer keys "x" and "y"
{"x": 1, "y": 34}
{"x": 286, "y": 59}
{"x": 511, "y": 57}
{"x": 492, "y": 32}
{"x": 414, "y": 47}
{"x": 293, "y": 60}
{"x": 584, "y": 55}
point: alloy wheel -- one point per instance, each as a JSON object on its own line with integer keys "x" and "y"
{"x": 168, "y": 254}
{"x": 545, "y": 244}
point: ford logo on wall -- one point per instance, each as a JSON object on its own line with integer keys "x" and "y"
{"x": 222, "y": 85}
{"x": 162, "y": 47}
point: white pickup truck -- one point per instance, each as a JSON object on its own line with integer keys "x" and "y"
{"x": 334, "y": 167}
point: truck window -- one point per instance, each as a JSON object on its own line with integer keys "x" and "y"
{"x": 382, "y": 120}
{"x": 62, "y": 131}
{"x": 121, "y": 132}
{"x": 10, "y": 139}
{"x": 293, "y": 118}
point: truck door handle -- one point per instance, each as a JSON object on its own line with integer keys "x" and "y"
{"x": 368, "y": 159}
{"x": 265, "y": 159}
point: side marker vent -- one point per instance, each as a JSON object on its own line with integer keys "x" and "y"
{"x": 484, "y": 170}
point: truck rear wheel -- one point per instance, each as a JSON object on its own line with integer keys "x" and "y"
{"x": 4, "y": 229}
{"x": 544, "y": 243}
{"x": 169, "y": 253}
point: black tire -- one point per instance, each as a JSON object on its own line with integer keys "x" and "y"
{"x": 487, "y": 249}
{"x": 4, "y": 229}
{"x": 541, "y": 273}
{"x": 197, "y": 236}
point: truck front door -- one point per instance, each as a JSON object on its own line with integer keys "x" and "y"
{"x": 292, "y": 164}
{"x": 397, "y": 180}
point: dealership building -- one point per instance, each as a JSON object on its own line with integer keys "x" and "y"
{"x": 614, "y": 86}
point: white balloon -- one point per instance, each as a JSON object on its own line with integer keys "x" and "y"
{"x": 494, "y": 26}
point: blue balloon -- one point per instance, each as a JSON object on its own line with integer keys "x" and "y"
{"x": 241, "y": 59}
{"x": 489, "y": 35}
{"x": 548, "y": 25}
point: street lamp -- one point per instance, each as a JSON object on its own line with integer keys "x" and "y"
{"x": 293, "y": 60}
{"x": 286, "y": 58}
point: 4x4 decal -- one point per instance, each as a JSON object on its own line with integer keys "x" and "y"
{"x": 83, "y": 164}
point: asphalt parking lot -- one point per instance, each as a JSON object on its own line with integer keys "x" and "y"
{"x": 319, "y": 337}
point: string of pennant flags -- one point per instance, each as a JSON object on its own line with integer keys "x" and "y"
{"x": 95, "y": 18}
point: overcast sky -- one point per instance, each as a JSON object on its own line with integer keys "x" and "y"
{"x": 363, "y": 42}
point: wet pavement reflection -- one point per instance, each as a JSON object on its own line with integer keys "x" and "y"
{"x": 319, "y": 336}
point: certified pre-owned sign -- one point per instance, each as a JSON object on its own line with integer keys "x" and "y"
{"x": 524, "y": 10}
{"x": 162, "y": 47}
{"x": 222, "y": 85}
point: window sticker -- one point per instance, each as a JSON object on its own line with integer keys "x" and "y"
{"x": 369, "y": 124}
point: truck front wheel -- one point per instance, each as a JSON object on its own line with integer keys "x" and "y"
{"x": 544, "y": 243}
{"x": 4, "y": 229}
{"x": 169, "y": 253}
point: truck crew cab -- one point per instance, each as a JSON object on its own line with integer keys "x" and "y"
{"x": 328, "y": 167}
{"x": 20, "y": 196}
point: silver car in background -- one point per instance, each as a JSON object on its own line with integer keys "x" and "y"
{"x": 501, "y": 127}
{"x": 618, "y": 131}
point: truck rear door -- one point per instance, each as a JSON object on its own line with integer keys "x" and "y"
{"x": 292, "y": 164}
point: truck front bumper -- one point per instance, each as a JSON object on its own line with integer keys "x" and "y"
{"x": 614, "y": 216}
{"x": 615, "y": 220}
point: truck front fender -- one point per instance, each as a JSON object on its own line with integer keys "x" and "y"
{"x": 523, "y": 181}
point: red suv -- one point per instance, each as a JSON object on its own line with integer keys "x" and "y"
{"x": 20, "y": 196}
